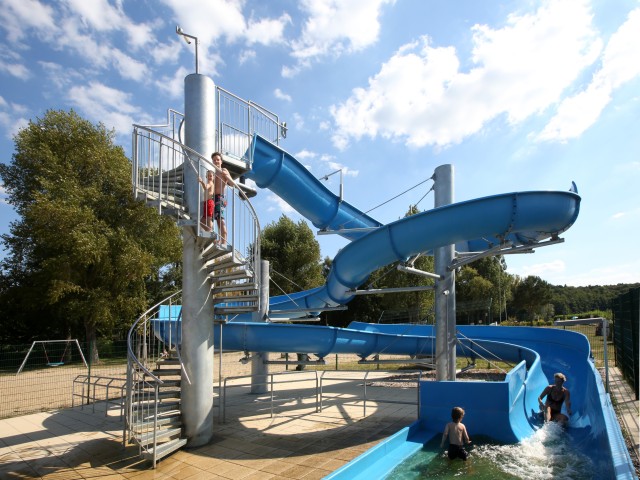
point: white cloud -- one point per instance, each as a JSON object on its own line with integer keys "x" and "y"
{"x": 620, "y": 64}
{"x": 267, "y": 31}
{"x": 97, "y": 14}
{"x": 516, "y": 71}
{"x": 279, "y": 94}
{"x": 335, "y": 27}
{"x": 108, "y": 105}
{"x": 542, "y": 270}
{"x": 217, "y": 21}
{"x": 276, "y": 204}
{"x": 19, "y": 16}
{"x": 173, "y": 86}
{"x": 625, "y": 272}
{"x": 12, "y": 118}
{"x": 305, "y": 155}
{"x": 15, "y": 69}
{"x": 246, "y": 56}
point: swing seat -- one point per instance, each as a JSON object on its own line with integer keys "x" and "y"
{"x": 55, "y": 364}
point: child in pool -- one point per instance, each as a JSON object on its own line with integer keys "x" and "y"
{"x": 456, "y": 432}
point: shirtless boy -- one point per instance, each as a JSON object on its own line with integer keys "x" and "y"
{"x": 556, "y": 395}
{"x": 456, "y": 432}
{"x": 215, "y": 200}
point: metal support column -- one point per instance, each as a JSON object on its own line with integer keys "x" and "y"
{"x": 260, "y": 369}
{"x": 197, "y": 305}
{"x": 445, "y": 296}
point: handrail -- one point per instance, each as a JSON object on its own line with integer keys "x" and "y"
{"x": 133, "y": 329}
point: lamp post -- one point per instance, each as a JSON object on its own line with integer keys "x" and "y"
{"x": 187, "y": 38}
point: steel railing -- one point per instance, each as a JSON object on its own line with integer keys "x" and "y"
{"x": 145, "y": 348}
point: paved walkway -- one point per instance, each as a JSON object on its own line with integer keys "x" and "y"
{"x": 297, "y": 443}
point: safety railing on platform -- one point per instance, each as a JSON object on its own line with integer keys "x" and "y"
{"x": 160, "y": 164}
{"x": 239, "y": 120}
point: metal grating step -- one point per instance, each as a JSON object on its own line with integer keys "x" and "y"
{"x": 161, "y": 434}
{"x": 165, "y": 449}
{"x": 227, "y": 277}
{"x": 234, "y": 287}
{"x": 171, "y": 417}
{"x": 239, "y": 298}
{"x": 234, "y": 310}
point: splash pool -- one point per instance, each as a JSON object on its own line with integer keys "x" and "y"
{"x": 548, "y": 454}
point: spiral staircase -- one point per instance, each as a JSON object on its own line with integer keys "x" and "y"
{"x": 154, "y": 368}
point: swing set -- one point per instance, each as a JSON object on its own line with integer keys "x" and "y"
{"x": 51, "y": 363}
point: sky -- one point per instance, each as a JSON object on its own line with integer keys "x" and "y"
{"x": 516, "y": 95}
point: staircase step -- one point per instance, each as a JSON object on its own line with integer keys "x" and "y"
{"x": 162, "y": 372}
{"x": 161, "y": 434}
{"x": 164, "y": 449}
{"x": 214, "y": 250}
{"x": 170, "y": 418}
{"x": 168, "y": 382}
{"x": 163, "y": 405}
{"x": 236, "y": 287}
{"x": 168, "y": 361}
{"x": 233, "y": 310}
{"x": 239, "y": 298}
{"x": 226, "y": 277}
{"x": 227, "y": 261}
{"x": 162, "y": 394}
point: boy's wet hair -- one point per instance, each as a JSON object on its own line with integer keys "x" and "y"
{"x": 456, "y": 414}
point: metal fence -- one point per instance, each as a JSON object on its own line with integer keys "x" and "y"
{"x": 43, "y": 386}
{"x": 626, "y": 333}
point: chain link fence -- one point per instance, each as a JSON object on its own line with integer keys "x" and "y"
{"x": 626, "y": 312}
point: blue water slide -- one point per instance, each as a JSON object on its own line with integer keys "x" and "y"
{"x": 506, "y": 410}
{"x": 280, "y": 172}
{"x": 475, "y": 225}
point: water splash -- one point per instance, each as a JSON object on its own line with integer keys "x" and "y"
{"x": 547, "y": 454}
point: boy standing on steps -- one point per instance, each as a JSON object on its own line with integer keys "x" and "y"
{"x": 215, "y": 200}
{"x": 456, "y": 432}
{"x": 207, "y": 208}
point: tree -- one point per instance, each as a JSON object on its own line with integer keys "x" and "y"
{"x": 294, "y": 256}
{"x": 83, "y": 247}
{"x": 482, "y": 287}
{"x": 531, "y": 295}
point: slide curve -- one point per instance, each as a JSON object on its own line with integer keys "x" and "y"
{"x": 475, "y": 225}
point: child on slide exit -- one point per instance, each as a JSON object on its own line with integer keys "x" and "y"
{"x": 457, "y": 434}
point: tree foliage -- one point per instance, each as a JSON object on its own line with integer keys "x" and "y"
{"x": 83, "y": 248}
{"x": 293, "y": 254}
{"x": 532, "y": 295}
{"x": 483, "y": 289}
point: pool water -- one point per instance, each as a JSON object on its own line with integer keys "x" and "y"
{"x": 548, "y": 454}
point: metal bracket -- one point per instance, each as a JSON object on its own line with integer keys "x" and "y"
{"x": 376, "y": 291}
{"x": 404, "y": 268}
{"x": 503, "y": 249}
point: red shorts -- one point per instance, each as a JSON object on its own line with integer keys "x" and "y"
{"x": 208, "y": 208}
